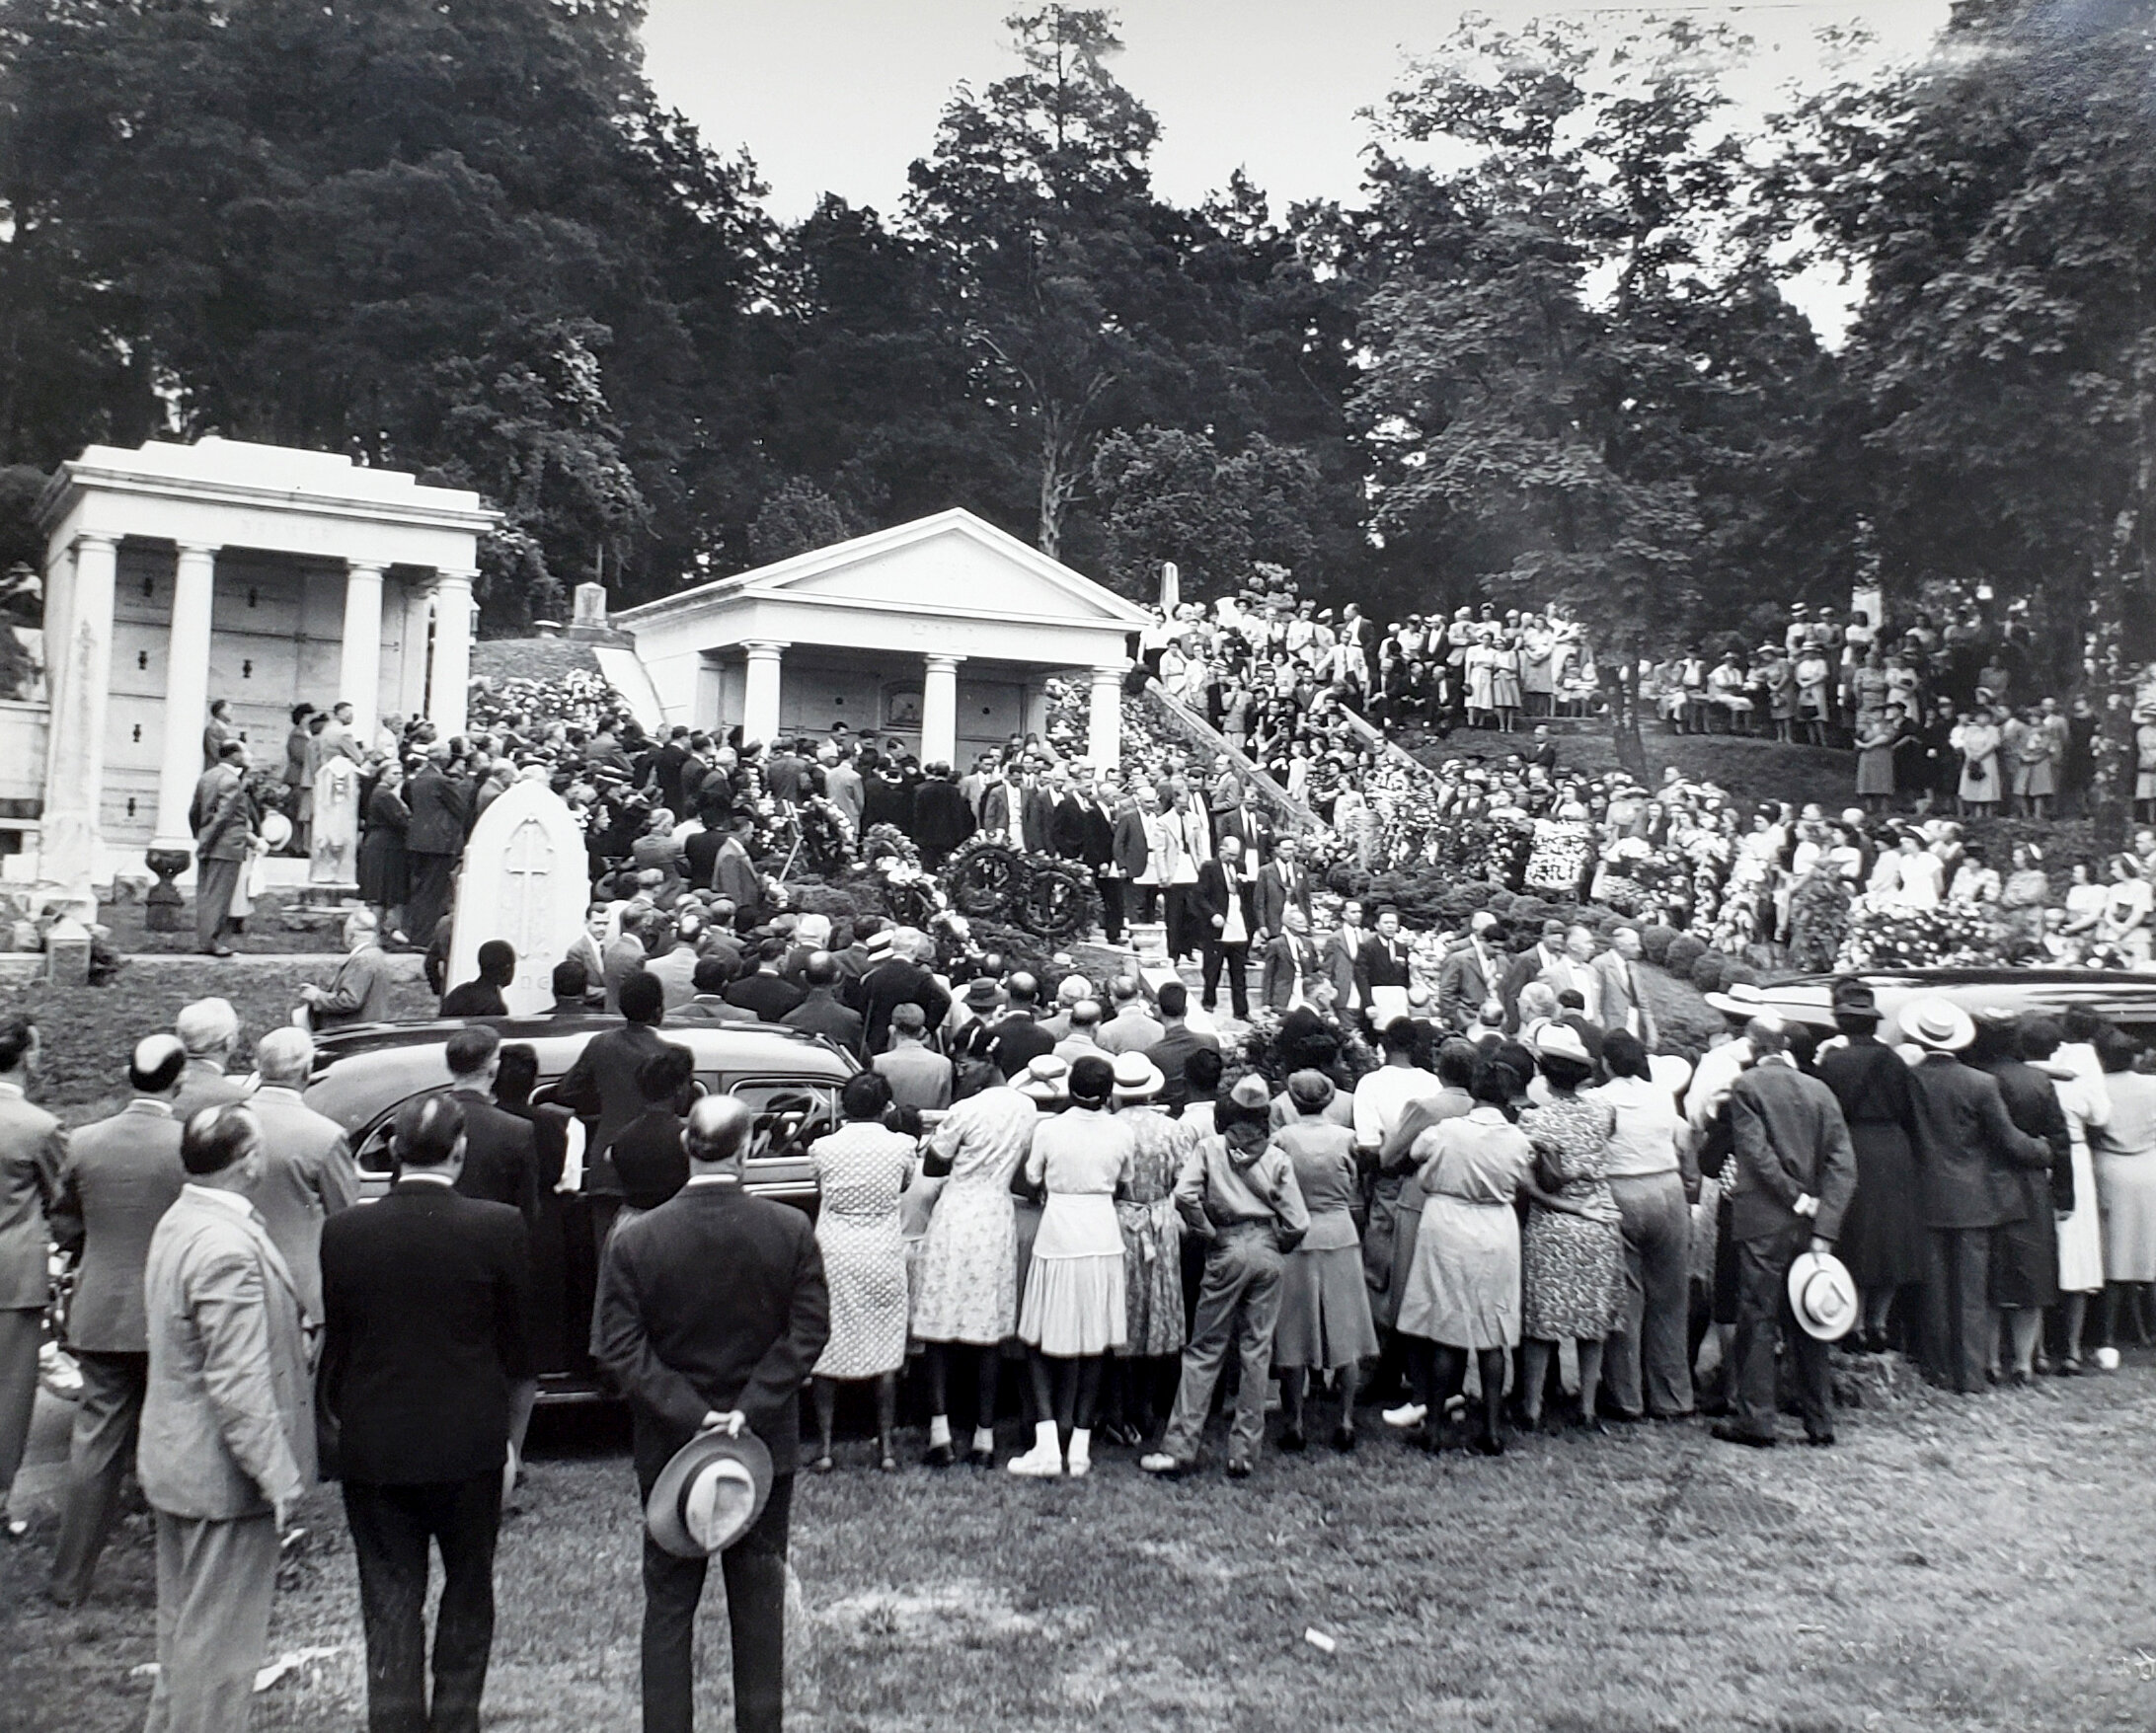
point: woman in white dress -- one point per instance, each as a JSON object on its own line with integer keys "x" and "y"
{"x": 1073, "y": 1317}
{"x": 862, "y": 1173}
{"x": 2078, "y": 1080}
{"x": 2124, "y": 928}
{"x": 967, "y": 1299}
{"x": 1919, "y": 874}
{"x": 2125, "y": 1188}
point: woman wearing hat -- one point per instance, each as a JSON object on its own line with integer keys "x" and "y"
{"x": 1325, "y": 1303}
{"x": 1072, "y": 1315}
{"x": 862, "y": 1172}
{"x": 1883, "y": 1232}
{"x": 1571, "y": 1253}
{"x": 1145, "y": 1211}
{"x": 1463, "y": 1289}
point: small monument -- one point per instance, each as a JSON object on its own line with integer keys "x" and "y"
{"x": 588, "y": 622}
{"x": 524, "y": 880}
{"x": 333, "y": 863}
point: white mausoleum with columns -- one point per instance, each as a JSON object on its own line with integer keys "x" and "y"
{"x": 942, "y": 632}
{"x": 176, "y": 575}
{"x": 179, "y": 574}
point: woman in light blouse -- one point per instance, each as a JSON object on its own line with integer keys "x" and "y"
{"x": 1654, "y": 1179}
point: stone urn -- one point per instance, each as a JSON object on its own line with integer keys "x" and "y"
{"x": 163, "y": 910}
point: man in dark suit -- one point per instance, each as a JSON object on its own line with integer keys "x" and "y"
{"x": 1222, "y": 910}
{"x": 600, "y": 1088}
{"x": 1019, "y": 1036}
{"x": 423, "y": 1346}
{"x": 1968, "y": 1148}
{"x": 822, "y": 1013}
{"x": 711, "y": 1310}
{"x": 1794, "y": 1174}
{"x": 1133, "y": 848}
{"x": 1382, "y": 969}
{"x": 441, "y": 814}
{"x": 483, "y": 995}
{"x": 711, "y": 978}
{"x": 121, "y": 1176}
{"x": 1037, "y": 814}
{"x": 500, "y": 1162}
{"x": 942, "y": 819}
{"x": 1545, "y": 957}
{"x": 222, "y": 818}
{"x": 766, "y": 991}
{"x": 1067, "y": 824}
{"x": 901, "y": 979}
{"x": 1282, "y": 881}
{"x": 647, "y": 1154}
{"x": 1097, "y": 848}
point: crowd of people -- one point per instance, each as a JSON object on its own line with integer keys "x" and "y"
{"x": 1388, "y": 1198}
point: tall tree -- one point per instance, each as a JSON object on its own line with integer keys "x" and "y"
{"x": 2000, "y": 202}
{"x": 1567, "y": 386}
{"x": 453, "y": 239}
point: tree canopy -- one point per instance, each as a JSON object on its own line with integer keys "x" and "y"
{"x": 1548, "y": 355}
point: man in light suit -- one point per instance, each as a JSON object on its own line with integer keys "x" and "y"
{"x": 712, "y": 1310}
{"x": 209, "y": 1029}
{"x": 33, "y": 1148}
{"x": 222, "y": 818}
{"x": 423, "y": 1351}
{"x": 1470, "y": 974}
{"x": 362, "y": 991}
{"x": 918, "y": 1078}
{"x": 1621, "y": 1001}
{"x": 1533, "y": 964}
{"x": 1794, "y": 1174}
{"x": 1336, "y": 958}
{"x": 307, "y": 1176}
{"x": 1282, "y": 881}
{"x": 228, "y": 1441}
{"x": 120, "y": 1177}
{"x": 1572, "y": 970}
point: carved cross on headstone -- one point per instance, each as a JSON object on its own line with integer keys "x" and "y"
{"x": 529, "y": 863}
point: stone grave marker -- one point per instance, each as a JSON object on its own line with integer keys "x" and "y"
{"x": 524, "y": 880}
{"x": 332, "y": 859}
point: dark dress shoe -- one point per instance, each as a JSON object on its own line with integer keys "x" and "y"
{"x": 1344, "y": 1438}
{"x": 1292, "y": 1440}
{"x": 1732, "y": 1433}
{"x": 1488, "y": 1444}
{"x": 1820, "y": 1440}
{"x": 940, "y": 1455}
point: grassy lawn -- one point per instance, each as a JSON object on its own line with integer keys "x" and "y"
{"x": 89, "y": 1032}
{"x": 1956, "y": 1563}
{"x": 266, "y": 934}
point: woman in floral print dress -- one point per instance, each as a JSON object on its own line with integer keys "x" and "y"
{"x": 1152, "y": 1248}
{"x": 1571, "y": 1255}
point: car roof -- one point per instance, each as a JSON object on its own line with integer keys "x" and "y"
{"x": 2118, "y": 995}
{"x": 363, "y": 1069}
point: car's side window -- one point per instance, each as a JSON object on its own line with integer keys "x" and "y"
{"x": 371, "y": 1155}
{"x": 789, "y": 1115}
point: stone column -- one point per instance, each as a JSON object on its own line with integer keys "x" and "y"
{"x": 760, "y": 692}
{"x": 418, "y": 625}
{"x": 359, "y": 662}
{"x": 80, "y": 672}
{"x": 448, "y": 685}
{"x": 1104, "y": 720}
{"x": 187, "y": 694}
{"x": 940, "y": 710}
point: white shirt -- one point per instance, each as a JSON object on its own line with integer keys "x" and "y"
{"x": 1644, "y": 1141}
{"x": 238, "y": 1203}
{"x": 1383, "y": 1095}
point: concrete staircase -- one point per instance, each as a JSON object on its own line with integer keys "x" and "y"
{"x": 1202, "y": 736}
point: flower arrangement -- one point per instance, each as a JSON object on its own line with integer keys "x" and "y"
{"x": 1950, "y": 935}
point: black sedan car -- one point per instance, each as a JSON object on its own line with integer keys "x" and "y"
{"x": 2127, "y": 1000}
{"x": 790, "y": 1081}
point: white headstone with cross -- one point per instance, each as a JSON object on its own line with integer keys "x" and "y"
{"x": 524, "y": 880}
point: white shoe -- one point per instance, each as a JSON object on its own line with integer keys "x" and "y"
{"x": 1038, "y": 1463}
{"x": 1080, "y": 1462}
{"x": 1404, "y": 1417}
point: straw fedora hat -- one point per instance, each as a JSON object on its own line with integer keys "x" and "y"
{"x": 1555, "y": 1040}
{"x": 1137, "y": 1078}
{"x": 1938, "y": 1026}
{"x": 709, "y": 1494}
{"x": 1823, "y": 1296}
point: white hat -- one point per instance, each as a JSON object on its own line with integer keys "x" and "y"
{"x": 1823, "y": 1296}
{"x": 1670, "y": 1071}
{"x": 1137, "y": 1078}
{"x": 1938, "y": 1024}
{"x": 1742, "y": 1001}
{"x": 1045, "y": 1077}
{"x": 1555, "y": 1040}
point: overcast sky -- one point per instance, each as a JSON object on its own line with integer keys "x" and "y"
{"x": 842, "y": 95}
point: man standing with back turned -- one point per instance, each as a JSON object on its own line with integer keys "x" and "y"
{"x": 712, "y": 1310}
{"x": 422, "y": 1350}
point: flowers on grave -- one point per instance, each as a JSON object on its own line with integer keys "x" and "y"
{"x": 1952, "y": 935}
